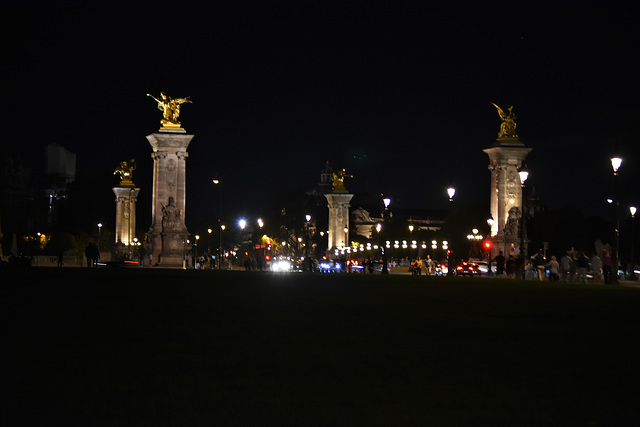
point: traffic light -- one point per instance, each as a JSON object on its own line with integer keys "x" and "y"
{"x": 487, "y": 245}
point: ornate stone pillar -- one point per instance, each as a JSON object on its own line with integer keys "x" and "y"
{"x": 506, "y": 200}
{"x": 338, "y": 219}
{"x": 126, "y": 198}
{"x": 168, "y": 232}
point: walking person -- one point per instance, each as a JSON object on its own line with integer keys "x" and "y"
{"x": 519, "y": 265}
{"x": 429, "y": 265}
{"x": 596, "y": 268}
{"x": 607, "y": 265}
{"x": 565, "y": 267}
{"x": 417, "y": 267}
{"x": 582, "y": 263}
{"x": 538, "y": 264}
{"x": 511, "y": 267}
{"x": 554, "y": 269}
{"x": 499, "y": 260}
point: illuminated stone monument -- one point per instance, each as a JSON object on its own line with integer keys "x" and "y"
{"x": 338, "y": 200}
{"x": 506, "y": 202}
{"x": 168, "y": 233}
{"x": 126, "y": 198}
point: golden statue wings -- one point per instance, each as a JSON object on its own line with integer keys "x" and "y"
{"x": 170, "y": 108}
{"x": 338, "y": 180}
{"x": 126, "y": 172}
{"x": 508, "y": 126}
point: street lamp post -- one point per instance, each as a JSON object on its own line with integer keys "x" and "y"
{"x": 632, "y": 263}
{"x": 307, "y": 262}
{"x": 221, "y": 250}
{"x": 524, "y": 174}
{"x": 385, "y": 219}
{"x": 218, "y": 183}
{"x": 490, "y": 222}
{"x": 195, "y": 251}
{"x": 411, "y": 227}
{"x": 474, "y": 238}
{"x": 262, "y": 244}
{"x": 616, "y": 162}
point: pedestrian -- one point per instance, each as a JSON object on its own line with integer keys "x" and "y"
{"x": 418, "y": 267}
{"x": 92, "y": 254}
{"x": 499, "y": 260}
{"x": 429, "y": 265}
{"x": 607, "y": 265}
{"x": 596, "y": 268}
{"x": 582, "y": 263}
{"x": 538, "y": 264}
{"x": 511, "y": 267}
{"x": 554, "y": 269}
{"x": 519, "y": 264}
{"x": 565, "y": 267}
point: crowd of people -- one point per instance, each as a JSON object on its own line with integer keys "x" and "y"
{"x": 572, "y": 267}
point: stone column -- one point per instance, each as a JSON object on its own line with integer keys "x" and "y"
{"x": 506, "y": 203}
{"x": 338, "y": 219}
{"x": 168, "y": 232}
{"x": 126, "y": 198}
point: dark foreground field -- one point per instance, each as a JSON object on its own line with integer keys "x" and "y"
{"x": 190, "y": 348}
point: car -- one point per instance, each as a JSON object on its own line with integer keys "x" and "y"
{"x": 484, "y": 267}
{"x": 465, "y": 268}
{"x": 441, "y": 269}
{"x": 329, "y": 266}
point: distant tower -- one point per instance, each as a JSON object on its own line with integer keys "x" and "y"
{"x": 506, "y": 156}
{"x": 339, "y": 206}
{"x": 326, "y": 177}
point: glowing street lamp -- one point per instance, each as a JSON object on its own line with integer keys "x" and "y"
{"x": 451, "y": 192}
{"x": 616, "y": 162}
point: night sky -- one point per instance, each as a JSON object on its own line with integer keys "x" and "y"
{"x": 397, "y": 93}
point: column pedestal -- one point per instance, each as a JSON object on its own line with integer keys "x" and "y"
{"x": 126, "y": 198}
{"x": 338, "y": 219}
{"x": 506, "y": 156}
{"x": 168, "y": 233}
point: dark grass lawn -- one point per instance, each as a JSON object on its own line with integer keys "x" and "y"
{"x": 188, "y": 348}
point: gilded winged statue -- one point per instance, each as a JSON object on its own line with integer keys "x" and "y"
{"x": 508, "y": 126}
{"x": 170, "y": 108}
{"x": 126, "y": 172}
{"x": 338, "y": 180}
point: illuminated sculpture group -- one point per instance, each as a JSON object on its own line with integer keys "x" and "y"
{"x": 506, "y": 199}
{"x": 168, "y": 234}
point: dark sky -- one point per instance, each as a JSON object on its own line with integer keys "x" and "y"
{"x": 398, "y": 93}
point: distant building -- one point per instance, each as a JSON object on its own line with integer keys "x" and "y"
{"x": 364, "y": 224}
{"x": 60, "y": 168}
{"x": 60, "y": 163}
